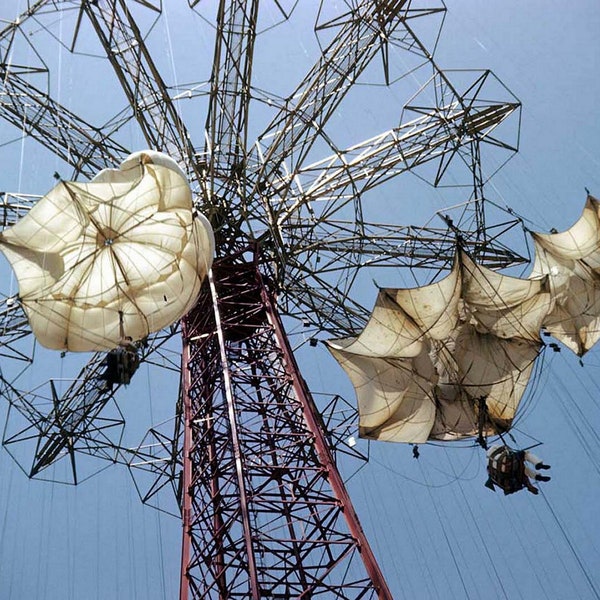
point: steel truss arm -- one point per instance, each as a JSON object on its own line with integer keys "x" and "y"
{"x": 75, "y": 422}
{"x": 351, "y": 172}
{"x": 227, "y": 120}
{"x": 68, "y": 425}
{"x": 140, "y": 79}
{"x": 294, "y": 130}
{"x": 9, "y": 30}
{"x": 339, "y": 245}
{"x": 36, "y": 114}
{"x": 13, "y": 206}
{"x": 13, "y": 327}
{"x": 88, "y": 148}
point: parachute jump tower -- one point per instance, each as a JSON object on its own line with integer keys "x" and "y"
{"x": 251, "y": 459}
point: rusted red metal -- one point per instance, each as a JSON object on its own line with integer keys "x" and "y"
{"x": 266, "y": 513}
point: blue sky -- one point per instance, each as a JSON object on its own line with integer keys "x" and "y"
{"x": 436, "y": 530}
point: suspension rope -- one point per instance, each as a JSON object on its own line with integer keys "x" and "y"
{"x": 415, "y": 541}
{"x": 465, "y": 502}
{"x": 572, "y": 548}
{"x": 519, "y": 525}
{"x": 157, "y": 509}
{"x": 446, "y": 538}
{"x": 421, "y": 483}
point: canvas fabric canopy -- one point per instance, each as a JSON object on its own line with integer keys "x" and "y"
{"x": 571, "y": 259}
{"x": 428, "y": 354}
{"x": 121, "y": 255}
{"x": 453, "y": 359}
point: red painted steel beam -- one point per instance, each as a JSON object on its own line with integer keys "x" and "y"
{"x": 316, "y": 426}
{"x": 265, "y": 511}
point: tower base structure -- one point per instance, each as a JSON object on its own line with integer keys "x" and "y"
{"x": 265, "y": 511}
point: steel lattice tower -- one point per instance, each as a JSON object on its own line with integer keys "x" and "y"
{"x": 262, "y": 496}
{"x": 264, "y": 508}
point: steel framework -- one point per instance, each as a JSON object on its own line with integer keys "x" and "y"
{"x": 263, "y": 502}
{"x": 265, "y": 511}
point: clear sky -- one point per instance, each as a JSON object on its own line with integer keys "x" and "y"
{"x": 437, "y": 531}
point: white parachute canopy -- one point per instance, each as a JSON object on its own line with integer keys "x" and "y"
{"x": 571, "y": 260}
{"x": 428, "y": 356}
{"x": 431, "y": 358}
{"x": 121, "y": 255}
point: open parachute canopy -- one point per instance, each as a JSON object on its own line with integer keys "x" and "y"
{"x": 121, "y": 255}
{"x": 452, "y": 359}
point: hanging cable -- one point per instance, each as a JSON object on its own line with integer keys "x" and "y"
{"x": 479, "y": 533}
{"x": 572, "y": 548}
{"x": 157, "y": 510}
{"x": 414, "y": 538}
{"x": 416, "y": 481}
{"x": 452, "y": 554}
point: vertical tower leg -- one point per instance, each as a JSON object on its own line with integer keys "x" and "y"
{"x": 265, "y": 511}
